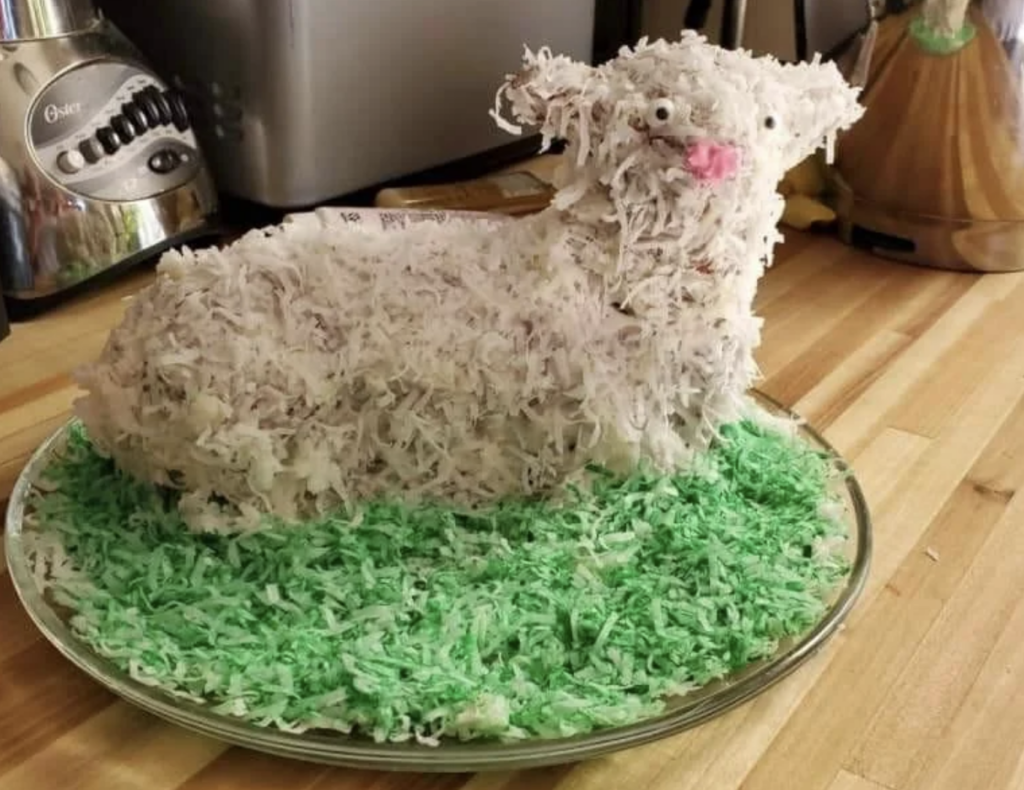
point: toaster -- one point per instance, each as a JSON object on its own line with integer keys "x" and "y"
{"x": 297, "y": 102}
{"x": 99, "y": 166}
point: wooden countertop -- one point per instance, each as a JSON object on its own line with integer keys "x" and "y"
{"x": 916, "y": 375}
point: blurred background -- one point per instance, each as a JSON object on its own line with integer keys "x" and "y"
{"x": 769, "y": 25}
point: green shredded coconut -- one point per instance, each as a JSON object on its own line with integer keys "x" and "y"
{"x": 528, "y": 619}
{"x": 937, "y": 43}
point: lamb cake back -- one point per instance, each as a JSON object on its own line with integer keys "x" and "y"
{"x": 321, "y": 363}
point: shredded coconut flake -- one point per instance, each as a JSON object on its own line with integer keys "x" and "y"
{"x": 323, "y": 362}
{"x": 524, "y": 619}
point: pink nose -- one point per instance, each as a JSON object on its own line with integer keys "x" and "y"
{"x": 711, "y": 162}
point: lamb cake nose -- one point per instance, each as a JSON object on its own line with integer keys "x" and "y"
{"x": 709, "y": 161}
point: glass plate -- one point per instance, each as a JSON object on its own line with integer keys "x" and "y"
{"x": 681, "y": 713}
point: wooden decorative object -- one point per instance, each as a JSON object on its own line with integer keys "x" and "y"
{"x": 934, "y": 172}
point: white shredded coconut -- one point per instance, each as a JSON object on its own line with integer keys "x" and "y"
{"x": 321, "y": 362}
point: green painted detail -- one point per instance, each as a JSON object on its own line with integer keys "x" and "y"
{"x": 937, "y": 43}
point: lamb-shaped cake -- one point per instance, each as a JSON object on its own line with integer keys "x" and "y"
{"x": 466, "y": 359}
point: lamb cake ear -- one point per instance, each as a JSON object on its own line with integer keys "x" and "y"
{"x": 548, "y": 92}
{"x": 824, "y": 104}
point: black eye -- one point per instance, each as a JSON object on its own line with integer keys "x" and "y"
{"x": 769, "y": 122}
{"x": 660, "y": 111}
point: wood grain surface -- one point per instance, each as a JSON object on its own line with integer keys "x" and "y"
{"x": 940, "y": 134}
{"x": 937, "y": 162}
{"x": 916, "y": 375}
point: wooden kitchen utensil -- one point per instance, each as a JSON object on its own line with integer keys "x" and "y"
{"x": 933, "y": 174}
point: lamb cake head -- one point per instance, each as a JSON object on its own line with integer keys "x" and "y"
{"x": 666, "y": 128}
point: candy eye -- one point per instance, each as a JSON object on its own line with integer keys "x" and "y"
{"x": 770, "y": 122}
{"x": 661, "y": 111}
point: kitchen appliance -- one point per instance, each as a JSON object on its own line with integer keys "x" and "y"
{"x": 99, "y": 166}
{"x": 297, "y": 102}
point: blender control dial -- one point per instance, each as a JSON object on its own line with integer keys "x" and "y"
{"x": 111, "y": 132}
{"x": 70, "y": 162}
